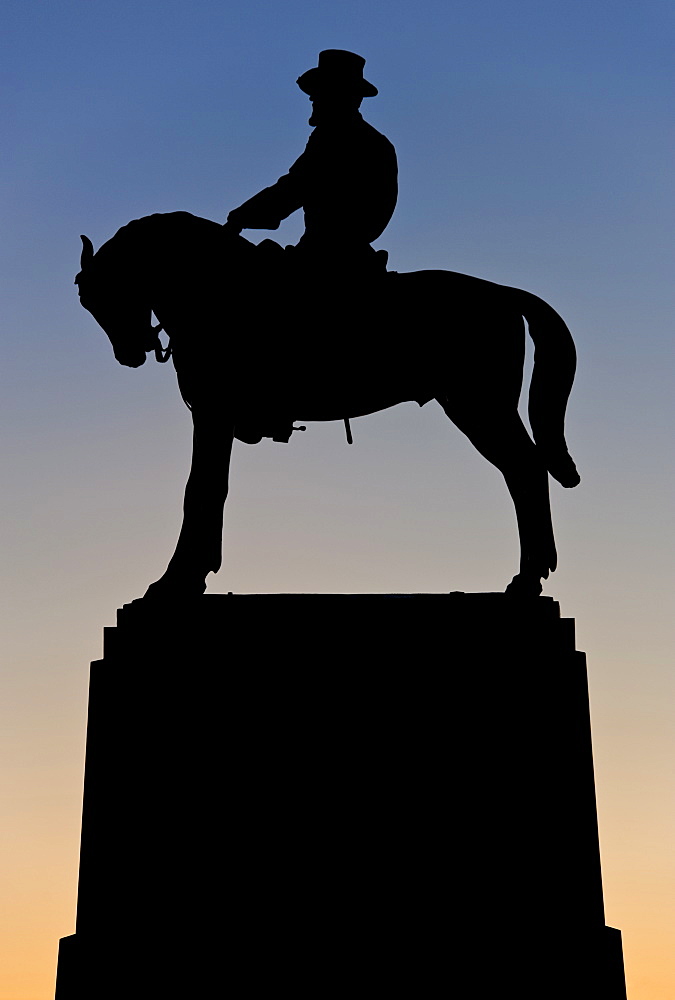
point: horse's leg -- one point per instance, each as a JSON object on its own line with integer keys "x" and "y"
{"x": 528, "y": 486}
{"x": 503, "y": 440}
{"x": 199, "y": 547}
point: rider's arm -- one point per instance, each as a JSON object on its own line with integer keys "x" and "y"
{"x": 266, "y": 209}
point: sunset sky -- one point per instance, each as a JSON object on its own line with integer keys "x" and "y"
{"x": 535, "y": 149}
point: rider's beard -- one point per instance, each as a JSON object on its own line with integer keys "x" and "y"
{"x": 330, "y": 116}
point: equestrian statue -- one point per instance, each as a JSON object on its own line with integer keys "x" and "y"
{"x": 247, "y": 367}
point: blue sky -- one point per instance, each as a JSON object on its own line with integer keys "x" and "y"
{"x": 535, "y": 149}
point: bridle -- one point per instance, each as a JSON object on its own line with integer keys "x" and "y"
{"x": 162, "y": 354}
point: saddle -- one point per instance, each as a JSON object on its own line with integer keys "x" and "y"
{"x": 363, "y": 264}
{"x": 292, "y": 273}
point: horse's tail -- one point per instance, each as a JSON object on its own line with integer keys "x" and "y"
{"x": 555, "y": 361}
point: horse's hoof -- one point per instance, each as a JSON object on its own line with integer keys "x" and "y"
{"x": 524, "y": 586}
{"x": 174, "y": 589}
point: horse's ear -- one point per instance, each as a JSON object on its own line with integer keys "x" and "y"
{"x": 87, "y": 251}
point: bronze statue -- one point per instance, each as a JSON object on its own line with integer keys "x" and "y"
{"x": 418, "y": 336}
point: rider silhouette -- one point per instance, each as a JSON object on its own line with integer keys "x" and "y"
{"x": 346, "y": 179}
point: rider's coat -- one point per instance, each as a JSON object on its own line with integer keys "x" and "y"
{"x": 346, "y": 182}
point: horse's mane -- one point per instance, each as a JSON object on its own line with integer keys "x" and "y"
{"x": 160, "y": 227}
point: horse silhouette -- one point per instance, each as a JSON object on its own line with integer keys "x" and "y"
{"x": 248, "y": 365}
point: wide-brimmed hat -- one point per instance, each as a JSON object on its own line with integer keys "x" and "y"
{"x": 337, "y": 70}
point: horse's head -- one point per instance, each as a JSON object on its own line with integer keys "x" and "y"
{"x": 166, "y": 256}
{"x": 110, "y": 290}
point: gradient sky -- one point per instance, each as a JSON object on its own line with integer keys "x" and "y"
{"x": 533, "y": 143}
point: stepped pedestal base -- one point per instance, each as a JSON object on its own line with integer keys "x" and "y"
{"x": 340, "y": 795}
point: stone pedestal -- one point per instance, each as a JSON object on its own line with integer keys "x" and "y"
{"x": 332, "y": 796}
